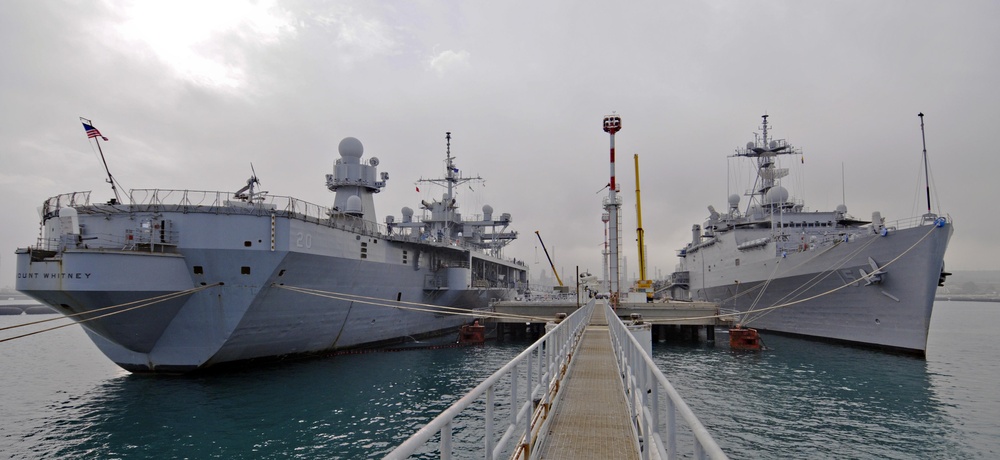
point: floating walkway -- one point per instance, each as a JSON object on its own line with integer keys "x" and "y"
{"x": 592, "y": 419}
{"x": 587, "y": 389}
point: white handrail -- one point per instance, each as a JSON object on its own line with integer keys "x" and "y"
{"x": 644, "y": 381}
{"x": 545, "y": 361}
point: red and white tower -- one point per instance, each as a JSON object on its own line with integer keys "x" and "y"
{"x": 613, "y": 124}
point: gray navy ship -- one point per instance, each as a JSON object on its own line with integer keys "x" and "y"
{"x": 778, "y": 266}
{"x": 180, "y": 280}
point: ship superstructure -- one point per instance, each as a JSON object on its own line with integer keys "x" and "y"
{"x": 822, "y": 274}
{"x": 181, "y": 280}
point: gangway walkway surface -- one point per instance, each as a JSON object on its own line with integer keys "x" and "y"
{"x": 591, "y": 419}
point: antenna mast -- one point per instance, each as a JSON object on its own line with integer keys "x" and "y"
{"x": 927, "y": 177}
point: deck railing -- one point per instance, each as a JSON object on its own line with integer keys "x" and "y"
{"x": 644, "y": 382}
{"x": 218, "y": 202}
{"x": 531, "y": 377}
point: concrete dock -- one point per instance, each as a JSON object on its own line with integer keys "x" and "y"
{"x": 591, "y": 420}
{"x": 671, "y": 317}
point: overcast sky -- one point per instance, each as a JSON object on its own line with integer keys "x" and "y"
{"x": 190, "y": 93}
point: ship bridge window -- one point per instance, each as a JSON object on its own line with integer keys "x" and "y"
{"x": 247, "y": 244}
{"x": 198, "y": 270}
{"x": 245, "y": 270}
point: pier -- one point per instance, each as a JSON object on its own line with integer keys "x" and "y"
{"x": 593, "y": 419}
{"x": 587, "y": 388}
{"x": 687, "y": 319}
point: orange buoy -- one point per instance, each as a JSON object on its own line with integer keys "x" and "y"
{"x": 744, "y": 338}
{"x": 472, "y": 333}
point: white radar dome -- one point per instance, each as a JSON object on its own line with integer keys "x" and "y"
{"x": 776, "y": 195}
{"x": 351, "y": 150}
{"x": 734, "y": 200}
{"x": 842, "y": 208}
{"x": 354, "y": 205}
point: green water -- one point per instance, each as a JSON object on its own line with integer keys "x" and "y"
{"x": 62, "y": 399}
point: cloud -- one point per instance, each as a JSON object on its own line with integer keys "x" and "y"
{"x": 205, "y": 43}
{"x": 449, "y": 60}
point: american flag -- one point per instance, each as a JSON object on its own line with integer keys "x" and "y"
{"x": 93, "y": 132}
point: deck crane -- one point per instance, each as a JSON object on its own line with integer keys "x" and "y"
{"x": 642, "y": 284}
{"x": 539, "y": 235}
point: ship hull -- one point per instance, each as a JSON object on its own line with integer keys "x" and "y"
{"x": 823, "y": 292}
{"x": 233, "y": 286}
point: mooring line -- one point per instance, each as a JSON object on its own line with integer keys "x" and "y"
{"x": 775, "y": 307}
{"x": 412, "y": 306}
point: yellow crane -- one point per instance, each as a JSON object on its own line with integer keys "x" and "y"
{"x": 643, "y": 284}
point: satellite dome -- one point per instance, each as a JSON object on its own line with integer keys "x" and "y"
{"x": 407, "y": 212}
{"x": 776, "y": 195}
{"x": 841, "y": 208}
{"x": 487, "y": 212}
{"x": 354, "y": 205}
{"x": 734, "y": 200}
{"x": 750, "y": 146}
{"x": 351, "y": 150}
{"x": 774, "y": 144}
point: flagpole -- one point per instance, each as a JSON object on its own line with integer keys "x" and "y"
{"x": 111, "y": 180}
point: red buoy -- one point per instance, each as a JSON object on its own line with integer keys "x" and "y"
{"x": 474, "y": 333}
{"x": 744, "y": 338}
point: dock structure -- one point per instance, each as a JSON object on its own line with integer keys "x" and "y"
{"x": 592, "y": 418}
{"x": 665, "y": 317}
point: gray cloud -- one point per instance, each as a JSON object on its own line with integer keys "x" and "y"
{"x": 190, "y": 99}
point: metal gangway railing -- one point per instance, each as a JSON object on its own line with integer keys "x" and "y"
{"x": 644, "y": 382}
{"x": 533, "y": 383}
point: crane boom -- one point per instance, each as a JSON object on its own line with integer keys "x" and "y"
{"x": 642, "y": 284}
{"x": 539, "y": 235}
